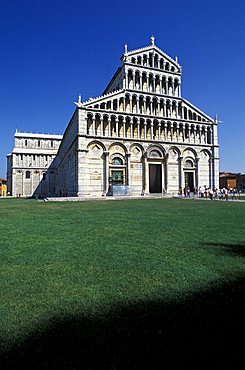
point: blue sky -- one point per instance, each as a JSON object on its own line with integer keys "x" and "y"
{"x": 50, "y": 51}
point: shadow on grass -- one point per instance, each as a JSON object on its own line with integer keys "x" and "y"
{"x": 237, "y": 249}
{"x": 203, "y": 332}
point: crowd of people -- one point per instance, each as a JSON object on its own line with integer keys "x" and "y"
{"x": 210, "y": 193}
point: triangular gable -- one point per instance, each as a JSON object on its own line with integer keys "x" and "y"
{"x": 199, "y": 111}
{"x": 150, "y": 48}
{"x": 101, "y": 99}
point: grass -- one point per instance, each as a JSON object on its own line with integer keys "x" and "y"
{"x": 109, "y": 272}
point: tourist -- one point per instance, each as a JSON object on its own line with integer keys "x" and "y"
{"x": 226, "y": 194}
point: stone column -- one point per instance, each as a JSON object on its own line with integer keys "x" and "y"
{"x": 141, "y": 82}
{"x": 145, "y": 186}
{"x": 164, "y": 109}
{"x": 210, "y": 172}
{"x": 166, "y": 173}
{"x": 205, "y": 135}
{"x": 128, "y": 179}
{"x": 131, "y": 130}
{"x": 131, "y": 103}
{"x": 158, "y": 108}
{"x": 181, "y": 173}
{"x": 165, "y": 131}
{"x": 117, "y": 127}
{"x": 134, "y": 80}
{"x": 106, "y": 173}
{"x": 144, "y": 104}
{"x": 177, "y": 132}
{"x": 147, "y": 83}
{"x": 197, "y": 172}
{"x": 152, "y": 134}
{"x": 138, "y": 123}
{"x": 171, "y": 131}
{"x": 195, "y": 134}
{"x": 109, "y": 126}
{"x": 101, "y": 127}
{"x": 137, "y": 104}
{"x": 93, "y": 124}
{"x": 159, "y": 131}
{"x": 126, "y": 80}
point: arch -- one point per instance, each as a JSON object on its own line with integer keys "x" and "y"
{"x": 141, "y": 104}
{"x": 144, "y": 81}
{"x": 139, "y": 59}
{"x": 89, "y": 124}
{"x": 176, "y": 149}
{"x": 189, "y": 163}
{"x": 130, "y": 79}
{"x": 137, "y": 79}
{"x": 96, "y": 142}
{"x": 156, "y": 147}
{"x": 156, "y": 61}
{"x": 133, "y": 145}
{"x": 157, "y": 83}
{"x": 187, "y": 151}
{"x": 206, "y": 152}
{"x": 151, "y": 82}
{"x": 120, "y": 145}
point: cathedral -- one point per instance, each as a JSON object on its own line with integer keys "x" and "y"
{"x": 139, "y": 137}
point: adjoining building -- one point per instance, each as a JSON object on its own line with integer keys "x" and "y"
{"x": 3, "y": 187}
{"x": 228, "y": 180}
{"x": 241, "y": 181}
{"x": 139, "y": 137}
{"x": 28, "y": 164}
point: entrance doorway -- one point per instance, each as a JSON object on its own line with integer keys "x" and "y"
{"x": 155, "y": 178}
{"x": 117, "y": 177}
{"x": 189, "y": 180}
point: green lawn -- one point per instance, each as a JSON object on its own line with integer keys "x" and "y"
{"x": 90, "y": 263}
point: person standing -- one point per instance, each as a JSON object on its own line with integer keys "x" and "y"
{"x": 226, "y": 194}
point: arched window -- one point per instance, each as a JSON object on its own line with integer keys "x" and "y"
{"x": 155, "y": 154}
{"x": 188, "y": 163}
{"x": 117, "y": 161}
{"x": 28, "y": 174}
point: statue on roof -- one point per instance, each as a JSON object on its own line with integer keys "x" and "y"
{"x": 152, "y": 40}
{"x": 125, "y": 48}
